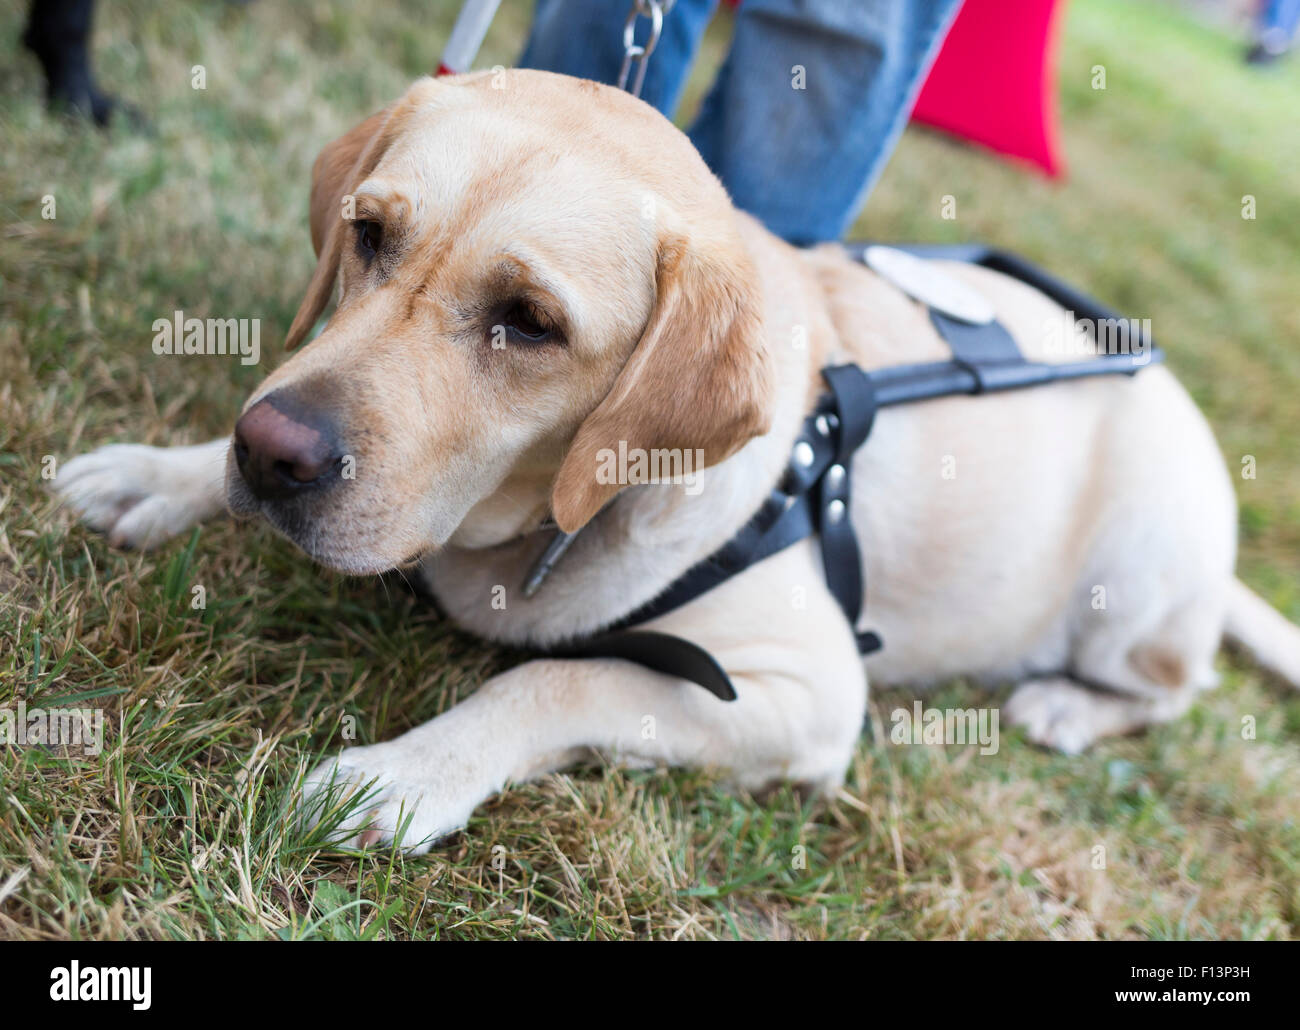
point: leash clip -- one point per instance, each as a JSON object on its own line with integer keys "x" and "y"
{"x": 560, "y": 543}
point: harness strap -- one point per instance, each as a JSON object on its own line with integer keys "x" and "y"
{"x": 988, "y": 352}
{"x": 662, "y": 652}
{"x": 855, "y": 404}
{"x": 814, "y": 495}
{"x": 783, "y": 520}
{"x": 812, "y": 498}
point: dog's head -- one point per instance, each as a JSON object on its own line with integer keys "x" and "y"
{"x": 532, "y": 269}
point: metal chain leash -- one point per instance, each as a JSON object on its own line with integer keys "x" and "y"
{"x": 640, "y": 53}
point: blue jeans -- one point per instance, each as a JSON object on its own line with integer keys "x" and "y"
{"x": 806, "y": 109}
{"x": 1277, "y": 16}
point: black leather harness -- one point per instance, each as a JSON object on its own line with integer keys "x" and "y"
{"x": 813, "y": 497}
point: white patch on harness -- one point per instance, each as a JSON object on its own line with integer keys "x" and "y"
{"x": 932, "y": 286}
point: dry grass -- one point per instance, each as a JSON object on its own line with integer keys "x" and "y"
{"x": 175, "y": 830}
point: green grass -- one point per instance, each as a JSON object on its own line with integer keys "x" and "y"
{"x": 176, "y": 830}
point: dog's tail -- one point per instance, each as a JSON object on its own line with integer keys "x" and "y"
{"x": 1264, "y": 633}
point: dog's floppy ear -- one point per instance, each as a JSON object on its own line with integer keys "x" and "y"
{"x": 339, "y": 169}
{"x": 700, "y": 377}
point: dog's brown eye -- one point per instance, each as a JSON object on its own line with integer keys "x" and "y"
{"x": 370, "y": 236}
{"x": 526, "y": 321}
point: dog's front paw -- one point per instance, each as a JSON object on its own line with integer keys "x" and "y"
{"x": 384, "y": 794}
{"x": 141, "y": 496}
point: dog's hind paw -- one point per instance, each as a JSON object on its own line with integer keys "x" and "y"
{"x": 141, "y": 496}
{"x": 1057, "y": 713}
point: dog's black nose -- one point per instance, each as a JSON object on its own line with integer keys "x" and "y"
{"x": 283, "y": 449}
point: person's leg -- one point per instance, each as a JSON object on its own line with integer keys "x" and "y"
{"x": 584, "y": 38}
{"x": 810, "y": 103}
{"x": 58, "y": 33}
{"x": 1281, "y": 15}
{"x": 1275, "y": 30}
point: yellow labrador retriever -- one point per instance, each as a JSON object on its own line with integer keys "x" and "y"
{"x": 534, "y": 272}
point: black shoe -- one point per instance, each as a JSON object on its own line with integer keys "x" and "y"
{"x": 58, "y": 34}
{"x": 1271, "y": 47}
